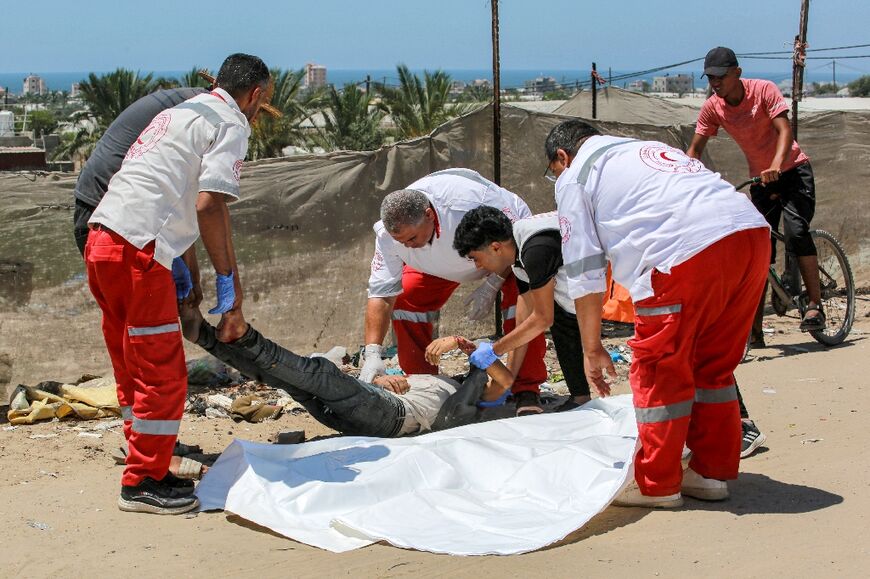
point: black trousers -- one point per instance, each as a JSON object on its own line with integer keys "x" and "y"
{"x": 569, "y": 350}
{"x": 332, "y": 397}
{"x": 81, "y": 215}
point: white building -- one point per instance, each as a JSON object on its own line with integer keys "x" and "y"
{"x": 681, "y": 83}
{"x": 315, "y": 75}
{"x": 75, "y": 90}
{"x": 34, "y": 85}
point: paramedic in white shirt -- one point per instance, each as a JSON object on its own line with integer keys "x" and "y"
{"x": 415, "y": 270}
{"x": 694, "y": 254}
{"x": 173, "y": 186}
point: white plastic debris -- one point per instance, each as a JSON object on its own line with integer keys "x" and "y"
{"x": 108, "y": 425}
{"x": 768, "y": 390}
{"x": 216, "y": 413}
{"x": 219, "y": 401}
{"x": 90, "y": 435}
{"x": 42, "y": 436}
{"x": 335, "y": 355}
{"x": 38, "y": 525}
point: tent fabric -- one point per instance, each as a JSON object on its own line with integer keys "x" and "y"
{"x": 499, "y": 487}
{"x": 618, "y": 306}
{"x": 616, "y": 104}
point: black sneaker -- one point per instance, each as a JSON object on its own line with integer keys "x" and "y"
{"x": 528, "y": 403}
{"x": 157, "y": 497}
{"x": 752, "y": 438}
{"x": 184, "y": 487}
{"x": 567, "y": 405}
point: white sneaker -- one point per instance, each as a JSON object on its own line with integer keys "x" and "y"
{"x": 632, "y": 497}
{"x": 706, "y": 489}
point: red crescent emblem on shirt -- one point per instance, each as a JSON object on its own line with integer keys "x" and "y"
{"x": 150, "y": 136}
{"x": 668, "y": 160}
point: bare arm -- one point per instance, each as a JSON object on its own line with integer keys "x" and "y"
{"x": 538, "y": 304}
{"x": 213, "y": 217}
{"x": 377, "y": 322}
{"x": 595, "y": 357}
{"x": 784, "y": 139}
{"x": 696, "y": 149}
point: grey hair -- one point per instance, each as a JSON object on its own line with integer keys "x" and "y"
{"x": 402, "y": 208}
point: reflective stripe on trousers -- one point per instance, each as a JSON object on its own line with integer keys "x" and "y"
{"x": 418, "y": 317}
{"x": 683, "y": 409}
{"x": 156, "y": 427}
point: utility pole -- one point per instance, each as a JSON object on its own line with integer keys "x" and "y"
{"x": 496, "y": 131}
{"x": 368, "y": 83}
{"x": 800, "y": 55}
{"x": 594, "y": 78}
{"x": 834, "y": 64}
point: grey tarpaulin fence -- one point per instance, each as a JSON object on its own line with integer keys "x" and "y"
{"x": 304, "y": 239}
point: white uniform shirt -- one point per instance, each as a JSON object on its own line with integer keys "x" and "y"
{"x": 641, "y": 205}
{"x": 452, "y": 193}
{"x": 196, "y": 146}
{"x": 525, "y": 229}
{"x": 423, "y": 400}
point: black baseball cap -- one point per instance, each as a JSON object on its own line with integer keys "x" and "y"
{"x": 719, "y": 60}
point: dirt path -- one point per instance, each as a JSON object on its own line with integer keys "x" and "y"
{"x": 800, "y": 508}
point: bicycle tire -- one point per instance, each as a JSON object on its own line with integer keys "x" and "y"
{"x": 838, "y": 289}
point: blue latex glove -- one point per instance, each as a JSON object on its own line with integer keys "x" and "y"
{"x": 181, "y": 276}
{"x": 483, "y": 357}
{"x": 493, "y": 403}
{"x": 226, "y": 294}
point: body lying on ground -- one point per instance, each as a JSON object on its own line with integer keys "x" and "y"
{"x": 391, "y": 406}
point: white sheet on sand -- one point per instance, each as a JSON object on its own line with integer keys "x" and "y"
{"x": 499, "y": 487}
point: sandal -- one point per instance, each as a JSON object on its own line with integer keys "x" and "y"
{"x": 814, "y": 323}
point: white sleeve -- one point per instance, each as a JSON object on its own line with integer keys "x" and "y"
{"x": 222, "y": 163}
{"x": 385, "y": 279}
{"x": 509, "y": 203}
{"x": 582, "y": 253}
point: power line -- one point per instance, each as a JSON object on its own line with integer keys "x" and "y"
{"x": 808, "y": 50}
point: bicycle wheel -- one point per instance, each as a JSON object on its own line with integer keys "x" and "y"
{"x": 838, "y": 289}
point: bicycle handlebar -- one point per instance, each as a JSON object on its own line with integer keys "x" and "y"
{"x": 753, "y": 181}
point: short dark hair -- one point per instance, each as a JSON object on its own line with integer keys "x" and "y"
{"x": 481, "y": 226}
{"x": 241, "y": 72}
{"x": 566, "y": 136}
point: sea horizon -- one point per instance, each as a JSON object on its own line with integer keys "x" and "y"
{"x": 510, "y": 78}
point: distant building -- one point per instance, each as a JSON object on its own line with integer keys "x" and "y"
{"x": 34, "y": 85}
{"x": 75, "y": 90}
{"x": 481, "y": 82}
{"x": 681, "y": 83}
{"x": 639, "y": 85}
{"x": 457, "y": 87}
{"x": 315, "y": 75}
{"x": 540, "y": 85}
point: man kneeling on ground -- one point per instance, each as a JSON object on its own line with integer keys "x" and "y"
{"x": 390, "y": 406}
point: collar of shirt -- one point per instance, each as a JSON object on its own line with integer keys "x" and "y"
{"x": 226, "y": 97}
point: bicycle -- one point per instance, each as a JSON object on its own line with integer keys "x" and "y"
{"x": 837, "y": 284}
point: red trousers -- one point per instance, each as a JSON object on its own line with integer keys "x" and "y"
{"x": 140, "y": 326}
{"x": 419, "y": 304}
{"x": 689, "y": 338}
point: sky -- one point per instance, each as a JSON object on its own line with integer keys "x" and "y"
{"x": 164, "y": 35}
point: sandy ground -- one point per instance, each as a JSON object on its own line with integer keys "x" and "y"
{"x": 799, "y": 508}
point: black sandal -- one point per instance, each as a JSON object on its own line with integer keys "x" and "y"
{"x": 815, "y": 323}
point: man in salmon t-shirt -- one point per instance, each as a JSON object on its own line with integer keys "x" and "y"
{"x": 755, "y": 114}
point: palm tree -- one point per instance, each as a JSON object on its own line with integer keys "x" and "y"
{"x": 350, "y": 123}
{"x": 269, "y": 135}
{"x": 418, "y": 107}
{"x": 109, "y": 94}
{"x": 192, "y": 79}
{"x": 106, "y": 97}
